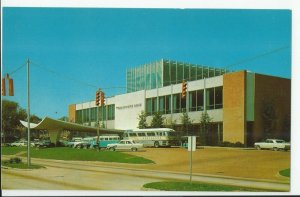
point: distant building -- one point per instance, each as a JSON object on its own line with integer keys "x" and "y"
{"x": 244, "y": 106}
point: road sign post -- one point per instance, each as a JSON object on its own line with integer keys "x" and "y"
{"x": 191, "y": 148}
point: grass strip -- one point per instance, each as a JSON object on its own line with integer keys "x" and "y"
{"x": 285, "y": 172}
{"x": 12, "y": 150}
{"x": 20, "y": 165}
{"x": 65, "y": 153}
{"x": 194, "y": 186}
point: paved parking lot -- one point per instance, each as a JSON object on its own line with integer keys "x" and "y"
{"x": 238, "y": 162}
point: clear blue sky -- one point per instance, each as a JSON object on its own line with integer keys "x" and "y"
{"x": 96, "y": 46}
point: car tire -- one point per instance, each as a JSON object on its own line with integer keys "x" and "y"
{"x": 257, "y": 148}
{"x": 112, "y": 149}
{"x": 275, "y": 149}
{"x": 156, "y": 144}
{"x": 134, "y": 149}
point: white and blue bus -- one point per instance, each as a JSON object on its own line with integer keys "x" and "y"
{"x": 157, "y": 137}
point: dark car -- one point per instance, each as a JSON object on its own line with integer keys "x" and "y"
{"x": 44, "y": 143}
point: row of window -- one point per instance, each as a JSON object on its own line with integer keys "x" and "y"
{"x": 163, "y": 104}
{"x": 90, "y": 114}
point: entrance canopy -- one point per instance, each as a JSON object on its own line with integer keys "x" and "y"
{"x": 54, "y": 127}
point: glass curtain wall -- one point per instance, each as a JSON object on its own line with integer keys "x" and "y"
{"x": 148, "y": 76}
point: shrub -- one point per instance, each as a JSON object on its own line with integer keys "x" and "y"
{"x": 230, "y": 144}
{"x": 15, "y": 160}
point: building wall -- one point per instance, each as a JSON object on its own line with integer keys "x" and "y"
{"x": 127, "y": 108}
{"x": 72, "y": 112}
{"x": 234, "y": 107}
{"x": 269, "y": 89}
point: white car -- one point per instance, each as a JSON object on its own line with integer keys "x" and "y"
{"x": 125, "y": 145}
{"x": 274, "y": 144}
{"x": 21, "y": 143}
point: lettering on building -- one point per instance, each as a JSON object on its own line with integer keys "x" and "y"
{"x": 129, "y": 106}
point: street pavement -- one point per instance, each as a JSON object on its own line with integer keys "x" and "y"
{"x": 88, "y": 175}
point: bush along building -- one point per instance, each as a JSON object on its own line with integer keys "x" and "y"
{"x": 219, "y": 106}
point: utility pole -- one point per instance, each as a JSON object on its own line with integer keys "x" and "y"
{"x": 98, "y": 123}
{"x": 28, "y": 113}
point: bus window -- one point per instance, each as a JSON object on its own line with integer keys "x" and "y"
{"x": 141, "y": 134}
{"x": 132, "y": 134}
{"x": 151, "y": 134}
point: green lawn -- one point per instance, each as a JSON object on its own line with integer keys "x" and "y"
{"x": 285, "y": 172}
{"x": 64, "y": 153}
{"x": 194, "y": 186}
{"x": 20, "y": 165}
{"x": 12, "y": 150}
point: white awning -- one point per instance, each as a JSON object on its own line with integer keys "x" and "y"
{"x": 53, "y": 124}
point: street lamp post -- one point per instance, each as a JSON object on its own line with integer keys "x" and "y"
{"x": 28, "y": 114}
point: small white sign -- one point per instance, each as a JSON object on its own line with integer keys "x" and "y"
{"x": 192, "y": 143}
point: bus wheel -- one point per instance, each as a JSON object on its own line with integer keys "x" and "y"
{"x": 156, "y": 144}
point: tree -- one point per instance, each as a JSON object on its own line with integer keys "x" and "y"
{"x": 142, "y": 120}
{"x": 268, "y": 117}
{"x": 205, "y": 124}
{"x": 11, "y": 116}
{"x": 64, "y": 118}
{"x": 170, "y": 124}
{"x": 157, "y": 120}
{"x": 35, "y": 119}
{"x": 186, "y": 122}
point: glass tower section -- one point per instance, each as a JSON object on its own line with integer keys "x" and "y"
{"x": 166, "y": 72}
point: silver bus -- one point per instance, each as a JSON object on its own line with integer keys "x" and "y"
{"x": 157, "y": 137}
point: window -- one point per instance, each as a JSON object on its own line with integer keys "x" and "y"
{"x": 176, "y": 103}
{"x": 148, "y": 106}
{"x": 179, "y": 73}
{"x": 199, "y": 73}
{"x": 192, "y": 101}
{"x": 199, "y": 97}
{"x": 141, "y": 134}
{"x": 187, "y": 72}
{"x": 151, "y": 134}
{"x": 218, "y": 97}
{"x": 168, "y": 104}
{"x": 167, "y": 75}
{"x": 154, "y": 105}
{"x": 132, "y": 134}
{"x": 122, "y": 142}
{"x": 93, "y": 114}
{"x": 193, "y": 73}
{"x": 162, "y": 104}
{"x": 173, "y": 73}
{"x": 210, "y": 98}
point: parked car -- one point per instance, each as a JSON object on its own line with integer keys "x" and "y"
{"x": 44, "y": 143}
{"x": 73, "y": 142}
{"x": 274, "y": 144}
{"x": 85, "y": 143}
{"x": 21, "y": 143}
{"x": 125, "y": 145}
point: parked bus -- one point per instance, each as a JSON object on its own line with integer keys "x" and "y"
{"x": 156, "y": 137}
{"x": 104, "y": 140}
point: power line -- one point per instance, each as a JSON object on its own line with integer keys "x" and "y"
{"x": 73, "y": 79}
{"x": 17, "y": 69}
{"x": 257, "y": 56}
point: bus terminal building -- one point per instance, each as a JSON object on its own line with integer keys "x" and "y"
{"x": 243, "y": 106}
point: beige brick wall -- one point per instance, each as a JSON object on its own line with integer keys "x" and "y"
{"x": 234, "y": 92}
{"x": 72, "y": 112}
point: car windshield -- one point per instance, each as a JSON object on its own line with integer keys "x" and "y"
{"x": 280, "y": 141}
